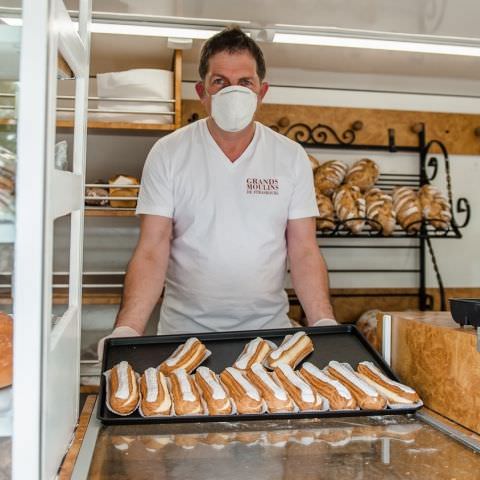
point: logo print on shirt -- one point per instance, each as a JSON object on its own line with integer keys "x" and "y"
{"x": 262, "y": 186}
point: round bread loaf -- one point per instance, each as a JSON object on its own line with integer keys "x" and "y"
{"x": 435, "y": 207}
{"x": 349, "y": 206}
{"x": 380, "y": 211}
{"x": 329, "y": 176}
{"x": 364, "y": 173}
{"x": 407, "y": 208}
{"x": 326, "y": 220}
{"x": 6, "y": 350}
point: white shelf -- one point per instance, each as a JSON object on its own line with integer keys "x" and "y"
{"x": 7, "y": 232}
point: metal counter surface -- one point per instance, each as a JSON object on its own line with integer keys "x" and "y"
{"x": 357, "y": 448}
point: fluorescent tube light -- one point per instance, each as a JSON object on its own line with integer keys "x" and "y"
{"x": 375, "y": 44}
{"x": 152, "y": 31}
{"x": 12, "y": 21}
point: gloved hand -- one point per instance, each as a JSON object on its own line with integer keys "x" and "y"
{"x": 324, "y": 322}
{"x": 117, "y": 332}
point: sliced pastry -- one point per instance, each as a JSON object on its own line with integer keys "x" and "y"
{"x": 338, "y": 396}
{"x": 185, "y": 395}
{"x": 292, "y": 351}
{"x": 155, "y": 397}
{"x": 213, "y": 392}
{"x": 393, "y": 391}
{"x": 187, "y": 356}
{"x": 366, "y": 396}
{"x": 242, "y": 391}
{"x": 275, "y": 396}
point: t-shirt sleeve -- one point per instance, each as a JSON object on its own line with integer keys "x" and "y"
{"x": 303, "y": 203}
{"x": 156, "y": 191}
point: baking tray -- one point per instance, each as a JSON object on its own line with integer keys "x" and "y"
{"x": 465, "y": 311}
{"x": 343, "y": 343}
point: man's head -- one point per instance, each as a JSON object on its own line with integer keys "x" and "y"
{"x": 229, "y": 59}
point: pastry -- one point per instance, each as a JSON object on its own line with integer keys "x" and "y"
{"x": 349, "y": 206}
{"x": 254, "y": 351}
{"x": 366, "y": 396}
{"x": 407, "y": 208}
{"x": 328, "y": 176}
{"x": 393, "y": 391}
{"x": 275, "y": 396}
{"x": 291, "y": 351}
{"x": 326, "y": 218}
{"x": 435, "y": 207}
{"x": 185, "y": 395}
{"x": 314, "y": 163}
{"x": 301, "y": 392}
{"x": 215, "y": 396}
{"x": 367, "y": 324}
{"x": 155, "y": 397}
{"x": 6, "y": 350}
{"x": 338, "y": 396}
{"x": 380, "y": 212}
{"x": 188, "y": 356}
{"x": 363, "y": 174}
{"x": 92, "y": 194}
{"x": 123, "y": 395}
{"x": 245, "y": 395}
{"x": 123, "y": 192}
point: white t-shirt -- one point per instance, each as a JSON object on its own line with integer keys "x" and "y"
{"x": 228, "y": 256}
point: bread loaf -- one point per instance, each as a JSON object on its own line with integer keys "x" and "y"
{"x": 92, "y": 194}
{"x": 6, "y": 350}
{"x": 326, "y": 219}
{"x": 435, "y": 207}
{"x": 349, "y": 206}
{"x": 407, "y": 208}
{"x": 363, "y": 174}
{"x": 123, "y": 192}
{"x": 380, "y": 211}
{"x": 329, "y": 176}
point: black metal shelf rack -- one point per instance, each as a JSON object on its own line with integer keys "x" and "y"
{"x": 324, "y": 137}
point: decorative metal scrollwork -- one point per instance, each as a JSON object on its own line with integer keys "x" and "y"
{"x": 318, "y": 135}
{"x": 432, "y": 163}
{"x": 463, "y": 207}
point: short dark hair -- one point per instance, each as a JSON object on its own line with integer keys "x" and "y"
{"x": 232, "y": 40}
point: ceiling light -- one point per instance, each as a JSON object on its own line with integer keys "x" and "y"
{"x": 152, "y": 31}
{"x": 376, "y": 44}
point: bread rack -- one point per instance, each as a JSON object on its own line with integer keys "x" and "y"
{"x": 325, "y": 137}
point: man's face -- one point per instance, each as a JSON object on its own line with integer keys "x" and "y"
{"x": 226, "y": 69}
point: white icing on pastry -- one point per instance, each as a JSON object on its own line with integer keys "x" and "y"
{"x": 262, "y": 374}
{"x": 238, "y": 376}
{"x": 123, "y": 390}
{"x": 180, "y": 351}
{"x": 305, "y": 389}
{"x": 316, "y": 372}
{"x": 218, "y": 393}
{"x": 384, "y": 378}
{"x": 151, "y": 376}
{"x": 185, "y": 386}
{"x": 289, "y": 342}
{"x": 346, "y": 371}
{"x": 245, "y": 357}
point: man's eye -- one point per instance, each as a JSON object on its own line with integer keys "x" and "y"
{"x": 218, "y": 81}
{"x": 246, "y": 83}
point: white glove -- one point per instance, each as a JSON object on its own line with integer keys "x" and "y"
{"x": 324, "y": 322}
{"x": 117, "y": 332}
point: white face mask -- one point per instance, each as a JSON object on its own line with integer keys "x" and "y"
{"x": 233, "y": 108}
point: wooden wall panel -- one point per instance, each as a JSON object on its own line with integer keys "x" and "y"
{"x": 456, "y": 131}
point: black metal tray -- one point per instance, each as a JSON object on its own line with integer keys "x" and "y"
{"x": 466, "y": 311}
{"x": 343, "y": 343}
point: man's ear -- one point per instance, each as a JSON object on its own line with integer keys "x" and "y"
{"x": 200, "y": 89}
{"x": 263, "y": 90}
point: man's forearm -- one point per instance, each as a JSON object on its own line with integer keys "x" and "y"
{"x": 143, "y": 286}
{"x": 310, "y": 280}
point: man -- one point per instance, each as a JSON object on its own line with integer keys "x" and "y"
{"x": 223, "y": 202}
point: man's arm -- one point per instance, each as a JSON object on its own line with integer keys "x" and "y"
{"x": 146, "y": 273}
{"x": 308, "y": 270}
